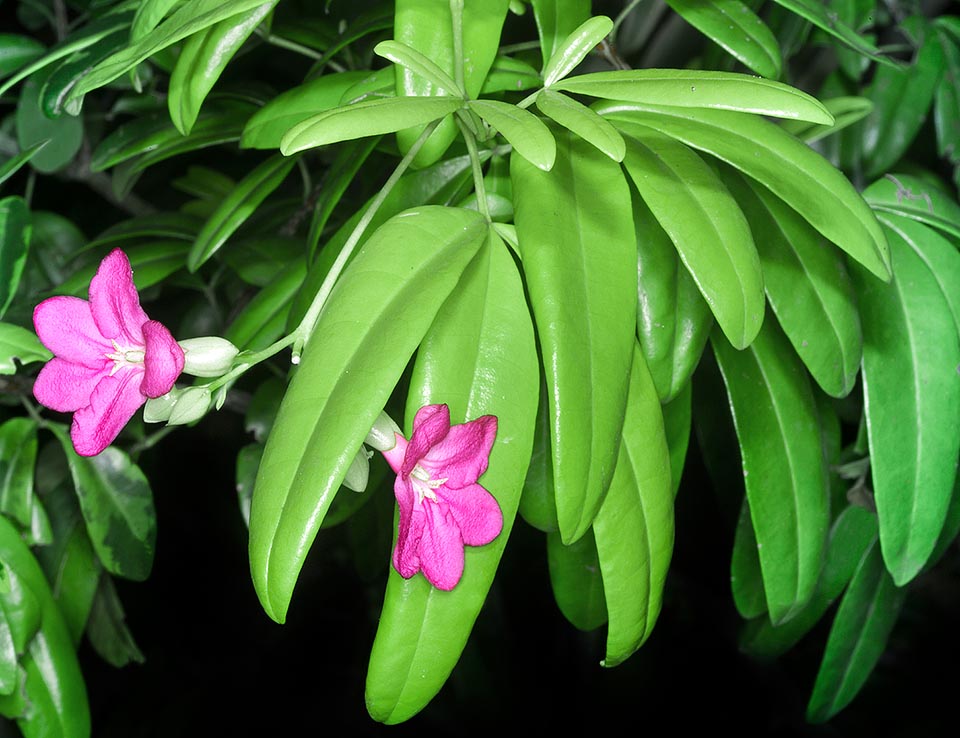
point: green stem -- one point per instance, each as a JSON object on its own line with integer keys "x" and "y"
{"x": 456, "y": 12}
{"x": 622, "y": 16}
{"x": 284, "y": 43}
{"x": 477, "y": 168}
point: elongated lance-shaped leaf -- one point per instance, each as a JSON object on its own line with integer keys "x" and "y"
{"x": 556, "y": 20}
{"x": 791, "y": 170}
{"x": 946, "y": 101}
{"x": 18, "y": 343}
{"x": 706, "y": 226}
{"x": 15, "y": 230}
{"x": 61, "y": 77}
{"x": 845, "y": 111}
{"x": 538, "y": 506}
{"x": 583, "y": 121}
{"x": 263, "y": 319}
{"x": 746, "y": 577}
{"x": 733, "y": 26}
{"x": 866, "y": 616}
{"x": 575, "y": 47}
{"x": 370, "y": 326}
{"x": 634, "y": 526}
{"x": 18, "y": 459}
{"x": 526, "y": 133}
{"x": 480, "y": 358}
{"x": 12, "y": 165}
{"x": 239, "y": 205}
{"x": 784, "y": 472}
{"x": 673, "y": 320}
{"x": 418, "y": 63}
{"x": 911, "y": 397}
{"x": 368, "y": 118}
{"x": 915, "y": 198}
{"x": 853, "y": 534}
{"x": 677, "y": 419}
{"x": 579, "y": 257}
{"x": 202, "y": 60}
{"x": 576, "y": 581}
{"x": 821, "y": 16}
{"x": 807, "y": 285}
{"x": 701, "y": 90}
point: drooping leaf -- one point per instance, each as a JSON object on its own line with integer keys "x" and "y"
{"x": 677, "y": 420}
{"x": 18, "y": 458}
{"x": 576, "y": 581}
{"x": 538, "y": 505}
{"x": 746, "y": 576}
{"x": 107, "y": 629}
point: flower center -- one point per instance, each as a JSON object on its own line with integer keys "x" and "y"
{"x": 424, "y": 485}
{"x": 123, "y": 357}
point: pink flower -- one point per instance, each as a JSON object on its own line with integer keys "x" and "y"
{"x": 442, "y": 508}
{"x": 109, "y": 357}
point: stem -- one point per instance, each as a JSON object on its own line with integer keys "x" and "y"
{"x": 622, "y": 16}
{"x": 152, "y": 440}
{"x": 456, "y": 12}
{"x": 477, "y": 168}
{"x": 522, "y": 46}
{"x": 285, "y": 43}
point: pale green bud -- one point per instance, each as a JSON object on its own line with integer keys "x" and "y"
{"x": 192, "y": 405}
{"x": 209, "y": 356}
{"x": 158, "y": 409}
{"x": 359, "y": 471}
{"x": 382, "y": 435}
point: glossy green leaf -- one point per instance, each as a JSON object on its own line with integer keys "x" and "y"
{"x": 107, "y": 630}
{"x": 901, "y": 99}
{"x": 413, "y": 61}
{"x": 143, "y": 135}
{"x": 65, "y": 74}
{"x": 526, "y": 133}
{"x": 16, "y": 51}
{"x": 117, "y": 505}
{"x": 733, "y": 26}
{"x": 202, "y": 60}
{"x": 790, "y": 169}
{"x": 15, "y": 231}
{"x": 951, "y": 528}
{"x": 152, "y": 262}
{"x": 510, "y": 75}
{"x": 673, "y": 320}
{"x": 852, "y": 536}
{"x": 21, "y": 606}
{"x": 163, "y": 226}
{"x": 746, "y": 577}
{"x": 579, "y": 258}
{"x": 538, "y": 506}
{"x": 574, "y": 48}
{"x": 556, "y": 20}
{"x": 583, "y": 121}
{"x": 576, "y": 581}
{"x": 845, "y": 111}
{"x": 63, "y": 135}
{"x": 858, "y": 637}
{"x": 479, "y": 357}
{"x": 368, "y": 118}
{"x": 427, "y": 27}
{"x": 784, "y": 471}
{"x": 8, "y": 658}
{"x": 21, "y": 344}
{"x": 238, "y": 206}
{"x": 263, "y": 319}
{"x": 634, "y": 526}
{"x": 807, "y": 285}
{"x": 677, "y": 417}
{"x": 910, "y": 357}
{"x": 188, "y": 19}
{"x": 18, "y": 458}
{"x": 148, "y": 16}
{"x": 681, "y": 88}
{"x": 946, "y": 101}
{"x": 371, "y": 324}
{"x": 379, "y": 83}
{"x": 259, "y": 259}
{"x": 265, "y": 128}
{"x": 706, "y": 227}
{"x": 12, "y": 165}
{"x": 909, "y": 196}
{"x": 820, "y": 15}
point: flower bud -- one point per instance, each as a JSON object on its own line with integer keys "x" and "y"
{"x": 209, "y": 356}
{"x": 382, "y": 435}
{"x": 192, "y": 405}
{"x": 359, "y": 471}
{"x": 158, "y": 409}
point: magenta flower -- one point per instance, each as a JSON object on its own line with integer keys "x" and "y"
{"x": 109, "y": 357}
{"x": 442, "y": 508}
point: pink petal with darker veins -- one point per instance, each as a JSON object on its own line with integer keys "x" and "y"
{"x": 462, "y": 456}
{"x": 65, "y": 387}
{"x": 476, "y": 513}
{"x": 406, "y": 554}
{"x": 112, "y": 404}
{"x": 162, "y": 361}
{"x": 114, "y": 301}
{"x": 441, "y": 548}
{"x": 430, "y": 425}
{"x": 65, "y": 325}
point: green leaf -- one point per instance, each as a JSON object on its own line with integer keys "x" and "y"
{"x": 910, "y": 357}
{"x": 237, "y": 207}
{"x": 700, "y": 90}
{"x": 368, "y": 118}
{"x": 148, "y": 16}
{"x": 263, "y": 319}
{"x": 706, "y": 226}
{"x": 19, "y": 343}
{"x": 858, "y": 637}
{"x": 510, "y": 75}
{"x": 152, "y": 262}
{"x": 202, "y": 60}
{"x": 733, "y": 26}
{"x": 526, "y": 133}
{"x": 576, "y": 581}
{"x": 556, "y": 20}
{"x": 677, "y": 418}
{"x": 8, "y": 658}
{"x": 845, "y": 111}
{"x": 265, "y": 128}
{"x": 538, "y": 506}
{"x": 21, "y": 607}
{"x": 946, "y": 106}
{"x": 479, "y": 357}
{"x": 16, "y": 51}
{"x": 746, "y": 577}
{"x": 63, "y": 76}
{"x": 915, "y": 198}
{"x": 370, "y": 326}
{"x": 634, "y": 526}
{"x": 673, "y": 320}
{"x": 62, "y": 135}
{"x": 18, "y": 459}
{"x": 117, "y": 505}
{"x": 790, "y": 169}
{"x": 164, "y": 226}
{"x": 414, "y": 61}
{"x": 853, "y": 535}
{"x": 784, "y": 472}
{"x": 15, "y": 230}
{"x": 820, "y": 15}
{"x": 106, "y": 629}
{"x": 12, "y": 165}
{"x": 807, "y": 285}
{"x": 575, "y": 47}
{"x": 583, "y": 121}
{"x": 579, "y": 258}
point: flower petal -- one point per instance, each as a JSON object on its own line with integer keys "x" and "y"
{"x": 114, "y": 301}
{"x": 65, "y": 387}
{"x": 430, "y": 425}
{"x": 406, "y": 556}
{"x": 65, "y": 325}
{"x": 162, "y": 359}
{"x": 112, "y": 404}
{"x": 462, "y": 456}
{"x": 441, "y": 548}
{"x": 476, "y": 512}
{"x": 395, "y": 455}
